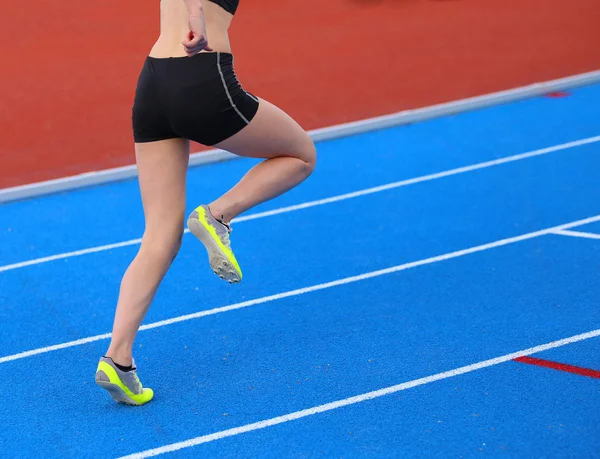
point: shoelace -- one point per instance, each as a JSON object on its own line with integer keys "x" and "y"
{"x": 136, "y": 380}
{"x": 224, "y": 235}
{"x": 229, "y": 229}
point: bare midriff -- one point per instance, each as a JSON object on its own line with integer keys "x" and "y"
{"x": 174, "y": 27}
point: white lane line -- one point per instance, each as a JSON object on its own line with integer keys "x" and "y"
{"x": 359, "y": 398}
{"x": 578, "y": 234}
{"x": 320, "y": 202}
{"x": 313, "y": 288}
{"x": 76, "y": 253}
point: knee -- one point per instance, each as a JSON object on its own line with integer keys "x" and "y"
{"x": 308, "y": 155}
{"x": 162, "y": 245}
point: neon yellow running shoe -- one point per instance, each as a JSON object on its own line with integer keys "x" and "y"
{"x": 123, "y": 386}
{"x": 215, "y": 237}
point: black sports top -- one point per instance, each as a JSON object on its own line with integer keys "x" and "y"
{"x": 228, "y": 5}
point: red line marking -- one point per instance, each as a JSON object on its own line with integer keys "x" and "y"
{"x": 557, "y": 94}
{"x": 559, "y": 366}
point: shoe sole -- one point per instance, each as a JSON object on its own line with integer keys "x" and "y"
{"x": 219, "y": 263}
{"x": 117, "y": 393}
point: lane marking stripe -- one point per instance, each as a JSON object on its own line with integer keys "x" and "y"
{"x": 313, "y": 288}
{"x": 358, "y": 398}
{"x": 320, "y": 202}
{"x": 578, "y": 234}
{"x": 559, "y": 366}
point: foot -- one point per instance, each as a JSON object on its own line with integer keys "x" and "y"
{"x": 123, "y": 386}
{"x": 215, "y": 237}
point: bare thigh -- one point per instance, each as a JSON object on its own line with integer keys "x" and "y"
{"x": 271, "y": 133}
{"x": 162, "y": 168}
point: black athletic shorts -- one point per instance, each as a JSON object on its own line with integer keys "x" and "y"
{"x": 197, "y": 98}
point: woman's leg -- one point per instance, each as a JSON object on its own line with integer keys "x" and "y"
{"x": 290, "y": 158}
{"x": 162, "y": 168}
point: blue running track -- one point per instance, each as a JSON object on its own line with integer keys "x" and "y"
{"x": 261, "y": 378}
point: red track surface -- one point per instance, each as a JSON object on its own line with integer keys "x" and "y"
{"x": 69, "y": 68}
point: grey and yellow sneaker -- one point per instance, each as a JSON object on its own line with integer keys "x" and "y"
{"x": 123, "y": 386}
{"x": 215, "y": 237}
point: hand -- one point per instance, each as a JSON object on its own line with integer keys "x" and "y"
{"x": 196, "y": 40}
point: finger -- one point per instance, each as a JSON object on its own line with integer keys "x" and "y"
{"x": 186, "y": 41}
{"x": 193, "y": 43}
{"x": 190, "y": 50}
{"x": 193, "y": 50}
{"x": 192, "y": 40}
{"x": 203, "y": 44}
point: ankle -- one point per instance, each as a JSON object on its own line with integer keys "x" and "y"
{"x": 219, "y": 214}
{"x": 119, "y": 366}
{"x": 120, "y": 357}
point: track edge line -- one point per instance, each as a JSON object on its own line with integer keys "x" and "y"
{"x": 318, "y": 135}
